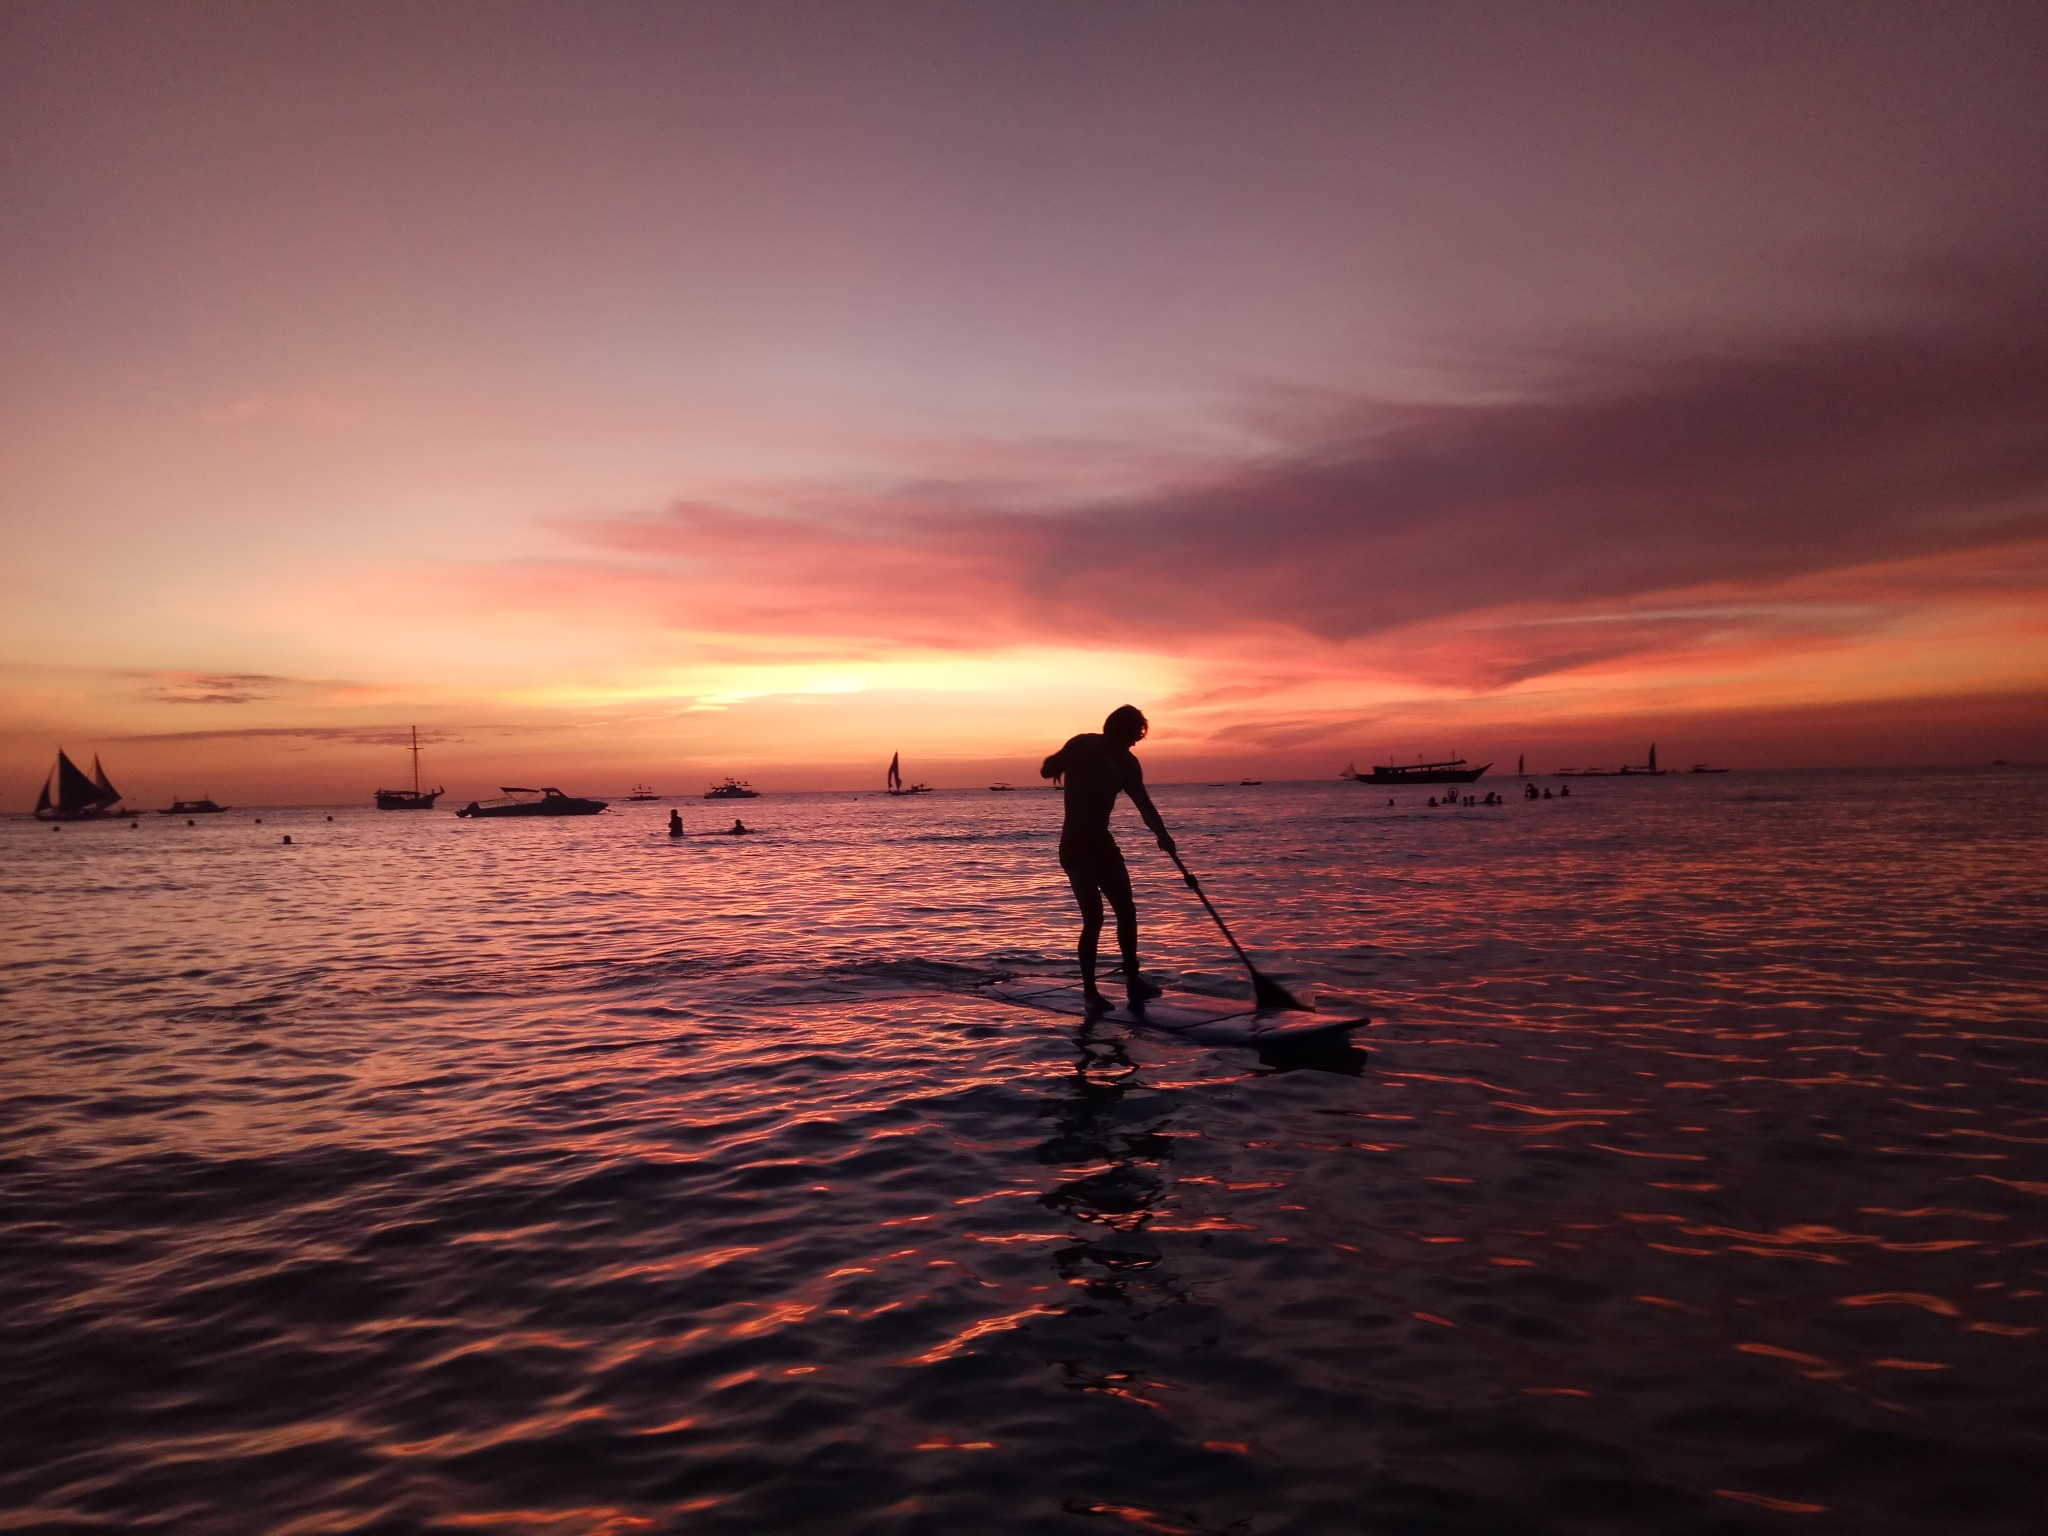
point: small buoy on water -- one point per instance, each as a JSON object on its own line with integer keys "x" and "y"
{"x": 330, "y": 818}
{"x": 259, "y": 821}
{"x": 287, "y": 837}
{"x": 56, "y": 829}
{"x": 190, "y": 822}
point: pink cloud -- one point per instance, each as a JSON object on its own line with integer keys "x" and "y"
{"x": 1670, "y": 506}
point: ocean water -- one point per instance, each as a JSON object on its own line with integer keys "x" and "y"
{"x": 552, "y": 1177}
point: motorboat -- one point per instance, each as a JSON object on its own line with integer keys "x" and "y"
{"x": 201, "y": 807}
{"x": 552, "y": 802}
{"x": 732, "y": 789}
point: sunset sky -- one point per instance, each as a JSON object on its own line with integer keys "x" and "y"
{"x": 655, "y": 391}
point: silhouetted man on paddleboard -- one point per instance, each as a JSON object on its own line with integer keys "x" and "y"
{"x": 1097, "y": 769}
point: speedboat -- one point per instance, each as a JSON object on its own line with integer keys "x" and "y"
{"x": 552, "y": 802}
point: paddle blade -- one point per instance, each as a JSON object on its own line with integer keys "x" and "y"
{"x": 1270, "y": 994}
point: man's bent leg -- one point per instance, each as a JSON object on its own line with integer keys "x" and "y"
{"x": 1116, "y": 885}
{"x": 1089, "y": 897}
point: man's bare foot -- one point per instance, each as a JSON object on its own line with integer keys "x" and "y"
{"x": 1141, "y": 990}
{"x": 1096, "y": 1001}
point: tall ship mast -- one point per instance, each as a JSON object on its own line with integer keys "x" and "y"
{"x": 414, "y": 799}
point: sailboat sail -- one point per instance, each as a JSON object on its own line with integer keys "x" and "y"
{"x": 1653, "y": 757}
{"x": 1521, "y": 765}
{"x": 68, "y": 795}
{"x": 895, "y": 771}
{"x": 75, "y": 792}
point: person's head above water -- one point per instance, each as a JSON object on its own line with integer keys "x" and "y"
{"x": 1126, "y": 725}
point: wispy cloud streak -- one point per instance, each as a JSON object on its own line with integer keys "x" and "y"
{"x": 1589, "y": 504}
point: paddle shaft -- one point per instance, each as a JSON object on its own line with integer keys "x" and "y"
{"x": 1264, "y": 988}
{"x": 1202, "y": 896}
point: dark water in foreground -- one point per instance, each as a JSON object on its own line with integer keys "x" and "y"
{"x": 549, "y": 1178}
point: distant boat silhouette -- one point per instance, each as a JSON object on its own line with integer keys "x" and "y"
{"x": 552, "y": 802}
{"x": 896, "y": 784}
{"x": 1001, "y": 789}
{"x": 1449, "y": 771}
{"x": 68, "y": 795}
{"x": 1648, "y": 770}
{"x": 732, "y": 789}
{"x": 1703, "y": 768}
{"x": 200, "y": 807}
{"x": 643, "y": 792}
{"x": 414, "y": 799}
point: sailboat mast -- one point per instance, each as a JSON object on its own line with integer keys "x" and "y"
{"x": 415, "y": 762}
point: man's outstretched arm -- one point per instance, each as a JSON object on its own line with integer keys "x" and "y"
{"x": 1134, "y": 786}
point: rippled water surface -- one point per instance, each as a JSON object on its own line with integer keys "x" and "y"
{"x": 552, "y": 1177}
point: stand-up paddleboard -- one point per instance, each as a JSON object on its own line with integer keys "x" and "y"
{"x": 1191, "y": 1015}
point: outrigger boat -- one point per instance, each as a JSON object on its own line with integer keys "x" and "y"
{"x": 68, "y": 795}
{"x": 1449, "y": 771}
{"x": 732, "y": 789}
{"x": 643, "y": 792}
{"x": 896, "y": 784}
{"x": 552, "y": 802}
{"x": 414, "y": 799}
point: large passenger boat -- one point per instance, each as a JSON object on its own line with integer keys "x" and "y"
{"x": 732, "y": 789}
{"x": 1450, "y": 771}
